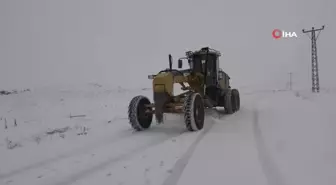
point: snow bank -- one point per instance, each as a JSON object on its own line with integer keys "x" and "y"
{"x": 53, "y": 119}
{"x": 298, "y": 130}
{"x": 43, "y": 112}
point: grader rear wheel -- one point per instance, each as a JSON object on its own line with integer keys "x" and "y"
{"x": 229, "y": 100}
{"x": 140, "y": 116}
{"x": 236, "y": 97}
{"x": 194, "y": 113}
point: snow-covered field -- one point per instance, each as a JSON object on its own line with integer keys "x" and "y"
{"x": 80, "y": 135}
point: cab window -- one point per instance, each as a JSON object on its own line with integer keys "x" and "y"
{"x": 221, "y": 75}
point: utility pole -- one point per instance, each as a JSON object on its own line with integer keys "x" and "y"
{"x": 315, "y": 74}
{"x": 290, "y": 81}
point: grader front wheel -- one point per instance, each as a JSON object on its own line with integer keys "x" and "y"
{"x": 140, "y": 116}
{"x": 194, "y": 113}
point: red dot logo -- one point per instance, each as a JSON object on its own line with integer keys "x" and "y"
{"x": 277, "y": 34}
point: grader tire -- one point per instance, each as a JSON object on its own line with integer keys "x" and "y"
{"x": 194, "y": 113}
{"x": 137, "y": 116}
{"x": 235, "y": 94}
{"x": 229, "y": 100}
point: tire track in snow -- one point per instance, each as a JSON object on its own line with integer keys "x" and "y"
{"x": 272, "y": 173}
{"x": 114, "y": 160}
{"x": 79, "y": 151}
{"x": 180, "y": 164}
{"x": 183, "y": 161}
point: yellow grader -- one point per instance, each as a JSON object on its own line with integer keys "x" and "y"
{"x": 204, "y": 85}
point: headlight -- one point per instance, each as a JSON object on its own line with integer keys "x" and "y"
{"x": 186, "y": 74}
{"x": 151, "y": 77}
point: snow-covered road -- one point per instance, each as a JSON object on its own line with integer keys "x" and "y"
{"x": 227, "y": 154}
{"x": 282, "y": 138}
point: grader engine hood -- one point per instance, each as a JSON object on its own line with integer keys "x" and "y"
{"x": 163, "y": 82}
{"x": 163, "y": 89}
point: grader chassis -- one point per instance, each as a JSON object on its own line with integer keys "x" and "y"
{"x": 204, "y": 83}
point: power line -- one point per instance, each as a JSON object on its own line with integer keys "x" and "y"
{"x": 315, "y": 72}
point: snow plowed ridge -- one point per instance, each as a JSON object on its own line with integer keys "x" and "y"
{"x": 272, "y": 174}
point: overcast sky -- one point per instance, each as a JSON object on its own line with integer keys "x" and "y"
{"x": 46, "y": 42}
